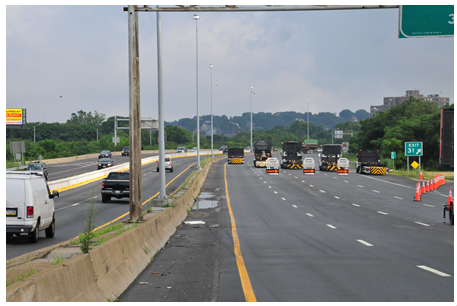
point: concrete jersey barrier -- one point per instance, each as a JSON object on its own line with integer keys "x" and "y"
{"x": 108, "y": 269}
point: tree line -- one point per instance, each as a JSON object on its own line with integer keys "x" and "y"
{"x": 414, "y": 120}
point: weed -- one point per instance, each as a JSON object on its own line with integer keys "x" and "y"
{"x": 116, "y": 298}
{"x": 146, "y": 250}
{"x": 86, "y": 237}
{"x": 102, "y": 240}
{"x": 57, "y": 259}
{"x": 95, "y": 276}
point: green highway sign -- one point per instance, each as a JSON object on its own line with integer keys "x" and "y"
{"x": 413, "y": 149}
{"x": 426, "y": 21}
{"x": 393, "y": 155}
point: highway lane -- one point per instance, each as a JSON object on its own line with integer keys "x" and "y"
{"x": 64, "y": 170}
{"x": 341, "y": 238}
{"x": 73, "y": 203}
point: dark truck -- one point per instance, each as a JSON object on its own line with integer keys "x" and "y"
{"x": 328, "y": 160}
{"x": 369, "y": 162}
{"x": 235, "y": 155}
{"x": 117, "y": 185}
{"x": 292, "y": 155}
{"x": 262, "y": 151}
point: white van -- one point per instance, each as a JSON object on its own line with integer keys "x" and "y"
{"x": 29, "y": 205}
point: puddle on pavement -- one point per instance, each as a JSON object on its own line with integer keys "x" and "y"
{"x": 205, "y": 201}
{"x": 204, "y": 204}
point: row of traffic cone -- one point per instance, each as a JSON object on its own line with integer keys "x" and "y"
{"x": 431, "y": 185}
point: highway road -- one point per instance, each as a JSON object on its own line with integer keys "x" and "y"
{"x": 64, "y": 170}
{"x": 72, "y": 204}
{"x": 322, "y": 237}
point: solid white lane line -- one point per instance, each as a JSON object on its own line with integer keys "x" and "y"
{"x": 75, "y": 204}
{"x": 331, "y": 226}
{"x": 294, "y": 206}
{"x": 422, "y": 223}
{"x": 364, "y": 242}
{"x": 429, "y": 205}
{"x": 309, "y": 215}
{"x": 376, "y": 191}
{"x": 360, "y": 186}
{"x": 382, "y": 213}
{"x": 357, "y": 205}
{"x": 322, "y": 191}
{"x": 398, "y": 198}
{"x": 283, "y": 199}
{"x": 433, "y": 270}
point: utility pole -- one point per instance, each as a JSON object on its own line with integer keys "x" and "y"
{"x": 163, "y": 192}
{"x": 134, "y": 116}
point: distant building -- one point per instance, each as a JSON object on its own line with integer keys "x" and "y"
{"x": 394, "y": 101}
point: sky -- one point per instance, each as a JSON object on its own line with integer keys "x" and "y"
{"x": 64, "y": 58}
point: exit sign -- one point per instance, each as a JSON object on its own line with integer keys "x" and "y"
{"x": 413, "y": 149}
{"x": 426, "y": 21}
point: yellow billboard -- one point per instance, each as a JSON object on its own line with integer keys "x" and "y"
{"x": 14, "y": 116}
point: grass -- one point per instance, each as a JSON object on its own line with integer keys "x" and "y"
{"x": 57, "y": 259}
{"x": 21, "y": 277}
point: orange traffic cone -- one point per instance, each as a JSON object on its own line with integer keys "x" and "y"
{"x": 423, "y": 187}
{"x": 431, "y": 184}
{"x": 417, "y": 196}
{"x": 449, "y": 199}
{"x": 427, "y": 189}
{"x": 419, "y": 186}
{"x": 420, "y": 176}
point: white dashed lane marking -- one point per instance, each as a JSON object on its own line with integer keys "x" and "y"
{"x": 322, "y": 191}
{"x": 429, "y": 205}
{"x": 376, "y": 191}
{"x": 356, "y": 205}
{"x": 364, "y": 242}
{"x": 360, "y": 186}
{"x": 420, "y": 223}
{"x": 433, "y": 271}
{"x": 398, "y": 198}
{"x": 294, "y": 206}
{"x": 382, "y": 213}
{"x": 283, "y": 199}
{"x": 331, "y": 226}
{"x": 309, "y": 215}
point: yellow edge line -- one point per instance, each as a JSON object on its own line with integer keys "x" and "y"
{"x": 108, "y": 223}
{"x": 245, "y": 282}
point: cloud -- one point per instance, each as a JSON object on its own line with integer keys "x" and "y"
{"x": 336, "y": 59}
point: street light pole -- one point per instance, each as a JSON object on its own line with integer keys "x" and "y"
{"x": 211, "y": 67}
{"x": 196, "y": 17}
{"x": 307, "y": 113}
{"x": 251, "y": 117}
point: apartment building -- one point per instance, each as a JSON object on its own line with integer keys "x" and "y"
{"x": 393, "y": 101}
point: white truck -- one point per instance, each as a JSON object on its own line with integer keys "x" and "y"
{"x": 308, "y": 165}
{"x": 272, "y": 165}
{"x": 343, "y": 166}
{"x": 29, "y": 205}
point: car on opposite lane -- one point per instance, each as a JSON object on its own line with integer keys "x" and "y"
{"x": 181, "y": 150}
{"x": 168, "y": 164}
{"x": 125, "y": 151}
{"x": 105, "y": 163}
{"x": 39, "y": 168}
{"x": 104, "y": 153}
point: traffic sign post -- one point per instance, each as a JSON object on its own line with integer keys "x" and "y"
{"x": 413, "y": 149}
{"x": 426, "y": 21}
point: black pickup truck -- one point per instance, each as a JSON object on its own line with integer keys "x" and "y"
{"x": 116, "y": 185}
